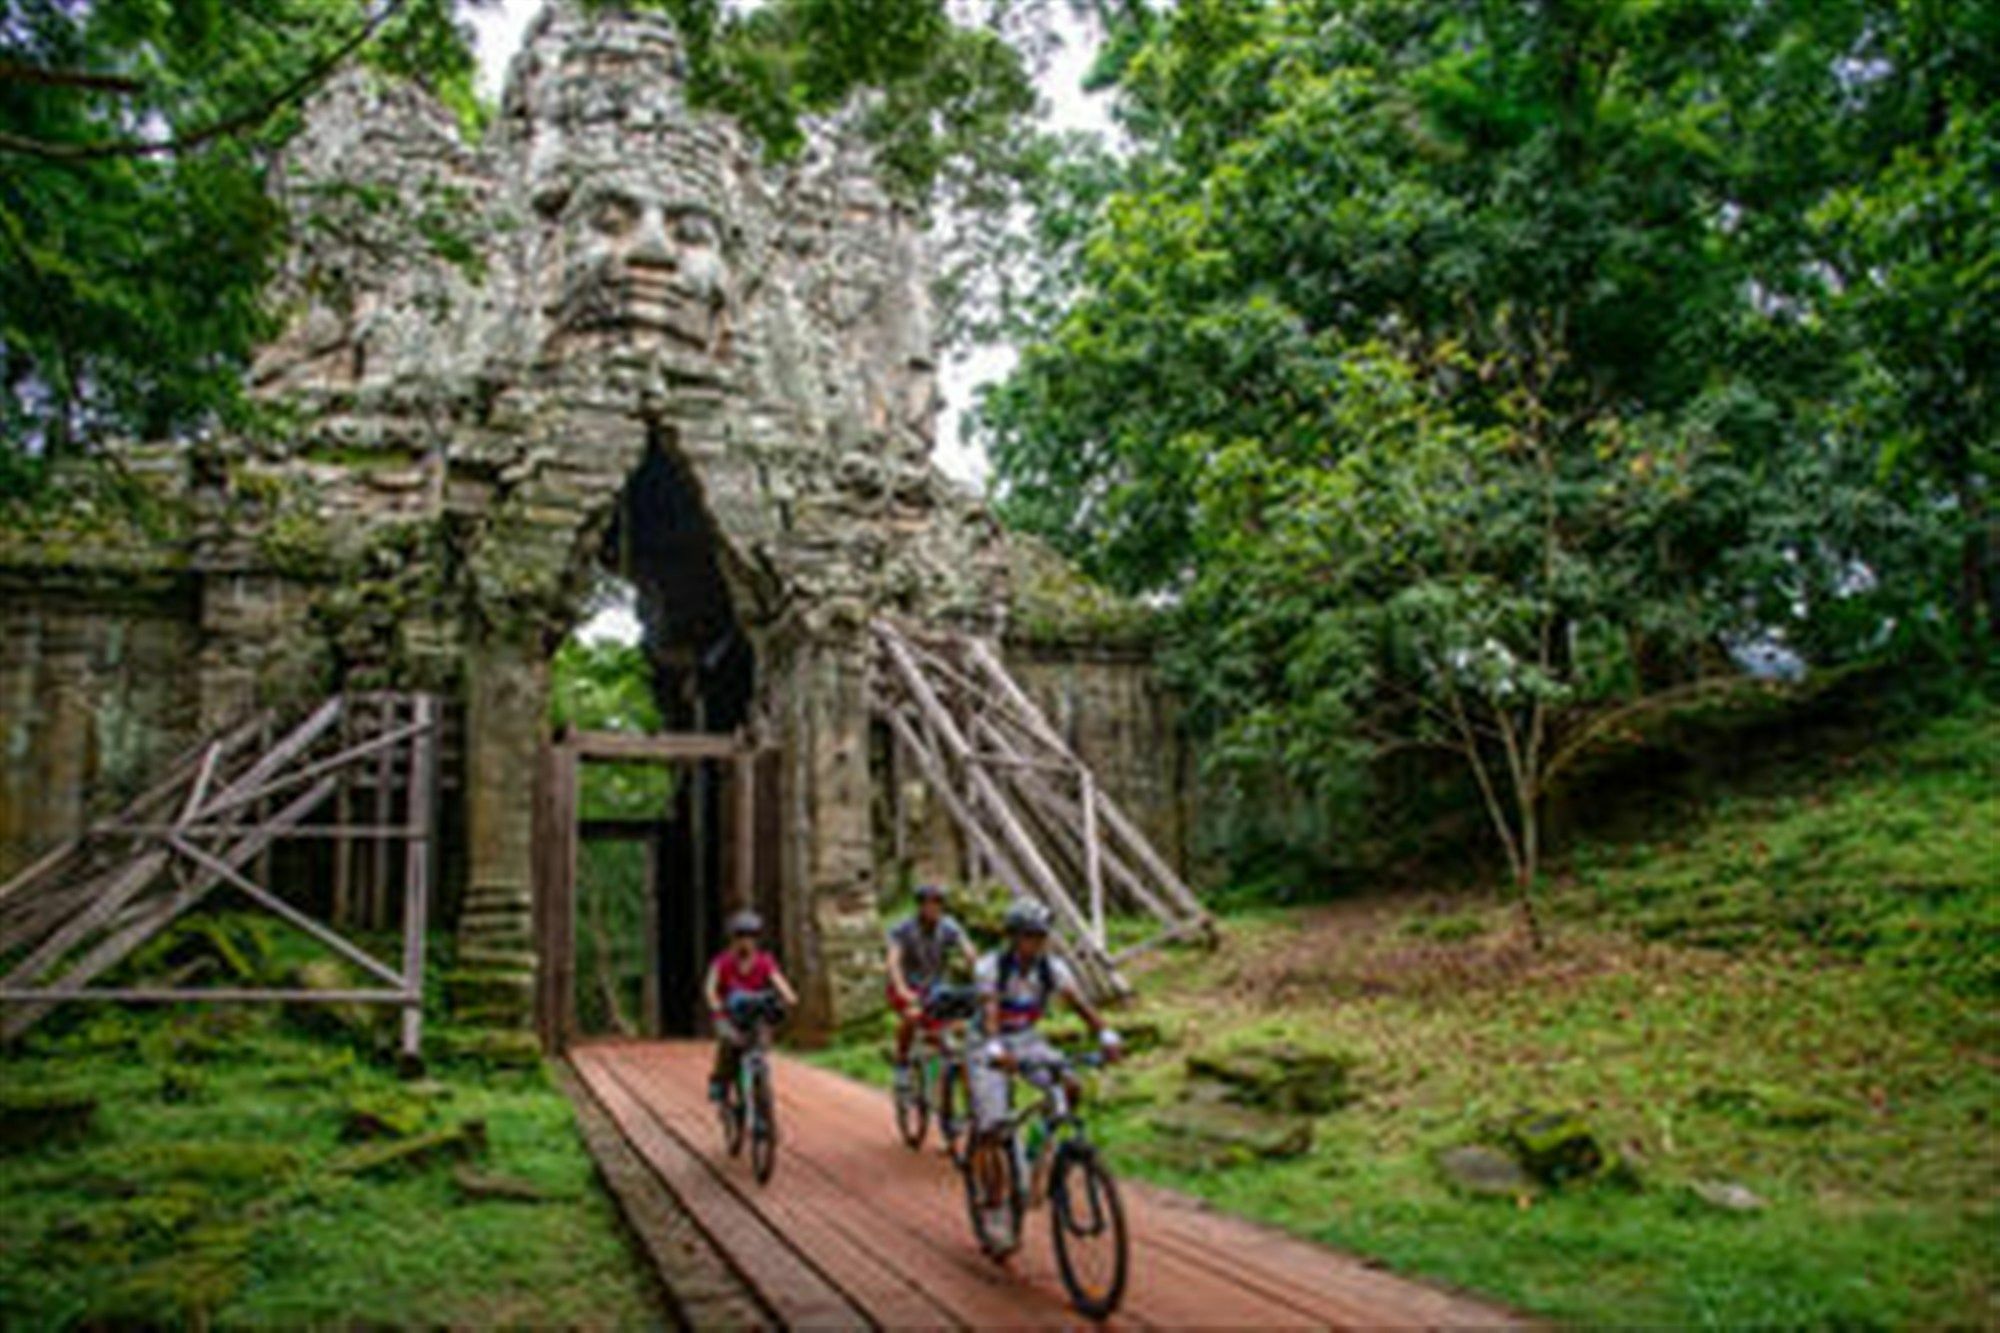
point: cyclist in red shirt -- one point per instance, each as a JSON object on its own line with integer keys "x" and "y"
{"x": 744, "y": 968}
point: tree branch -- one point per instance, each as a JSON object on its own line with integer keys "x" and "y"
{"x": 15, "y": 71}
{"x": 314, "y": 75}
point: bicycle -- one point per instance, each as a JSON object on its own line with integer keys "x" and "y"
{"x": 749, "y": 1110}
{"x": 939, "y": 1060}
{"x": 1042, "y": 1152}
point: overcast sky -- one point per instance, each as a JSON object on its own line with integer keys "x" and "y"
{"x": 500, "y": 27}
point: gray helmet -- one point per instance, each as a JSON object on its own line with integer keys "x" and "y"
{"x": 746, "y": 923}
{"x": 930, "y": 891}
{"x": 1026, "y": 918}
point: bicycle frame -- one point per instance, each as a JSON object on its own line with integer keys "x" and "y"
{"x": 1058, "y": 1118}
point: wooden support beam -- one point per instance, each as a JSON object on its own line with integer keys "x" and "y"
{"x": 933, "y": 770}
{"x": 994, "y": 803}
{"x": 173, "y": 995}
{"x": 1141, "y": 847}
{"x": 1066, "y": 816}
{"x": 416, "y": 872}
{"x": 236, "y": 799}
{"x": 660, "y": 749}
{"x": 278, "y": 907}
{"x": 114, "y": 949}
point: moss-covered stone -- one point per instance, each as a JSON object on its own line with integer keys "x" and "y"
{"x": 1215, "y": 1133}
{"x": 1769, "y": 1104}
{"x": 1555, "y": 1146}
{"x": 1054, "y": 602}
{"x": 1480, "y": 1170}
{"x": 379, "y": 1114}
{"x": 1277, "y": 1075}
{"x": 457, "y": 1143}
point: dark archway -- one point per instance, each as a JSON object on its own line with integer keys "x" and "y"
{"x": 653, "y": 886}
{"x": 663, "y": 543}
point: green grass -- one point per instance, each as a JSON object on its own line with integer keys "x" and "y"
{"x": 1793, "y": 989}
{"x": 214, "y": 1196}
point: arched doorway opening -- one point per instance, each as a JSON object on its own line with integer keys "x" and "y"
{"x": 648, "y": 816}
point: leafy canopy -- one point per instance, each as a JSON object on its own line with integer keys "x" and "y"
{"x": 1472, "y": 375}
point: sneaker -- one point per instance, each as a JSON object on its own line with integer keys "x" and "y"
{"x": 999, "y": 1229}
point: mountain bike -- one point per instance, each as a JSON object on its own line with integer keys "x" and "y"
{"x": 1042, "y": 1152}
{"x": 938, "y": 1063}
{"x": 749, "y": 1110}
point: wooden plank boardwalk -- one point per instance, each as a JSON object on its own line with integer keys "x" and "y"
{"x": 855, "y": 1230}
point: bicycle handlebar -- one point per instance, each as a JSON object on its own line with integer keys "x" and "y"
{"x": 754, "y": 1006}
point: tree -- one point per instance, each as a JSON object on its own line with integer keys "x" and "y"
{"x": 135, "y": 235}
{"x": 1461, "y": 373}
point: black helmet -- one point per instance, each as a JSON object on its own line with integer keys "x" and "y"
{"x": 1026, "y": 918}
{"x": 930, "y": 891}
{"x": 746, "y": 923}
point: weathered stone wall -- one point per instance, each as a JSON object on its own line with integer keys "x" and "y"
{"x": 98, "y": 686}
{"x": 1109, "y": 706}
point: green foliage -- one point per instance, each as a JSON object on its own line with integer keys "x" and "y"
{"x": 1897, "y": 867}
{"x": 1477, "y": 376}
{"x": 607, "y": 686}
{"x": 131, "y": 271}
{"x": 231, "y": 1210}
{"x": 937, "y": 90}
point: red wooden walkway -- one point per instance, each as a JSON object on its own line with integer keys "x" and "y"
{"x": 857, "y": 1230}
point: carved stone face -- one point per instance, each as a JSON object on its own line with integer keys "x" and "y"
{"x": 639, "y": 262}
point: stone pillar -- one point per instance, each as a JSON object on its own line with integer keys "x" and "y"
{"x": 506, "y": 699}
{"x": 48, "y": 733}
{"x": 831, "y": 892}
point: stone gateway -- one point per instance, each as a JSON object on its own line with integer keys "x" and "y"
{"x": 610, "y": 341}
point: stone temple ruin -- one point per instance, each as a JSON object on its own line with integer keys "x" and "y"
{"x": 611, "y": 341}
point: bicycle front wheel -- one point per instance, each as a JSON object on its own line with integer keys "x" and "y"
{"x": 993, "y": 1195}
{"x": 1089, "y": 1226}
{"x": 764, "y": 1132}
{"x": 731, "y": 1109}
{"x": 955, "y": 1113}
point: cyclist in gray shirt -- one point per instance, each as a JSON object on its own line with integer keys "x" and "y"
{"x": 920, "y": 948}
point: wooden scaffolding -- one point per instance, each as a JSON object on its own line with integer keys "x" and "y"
{"x": 1032, "y": 813}
{"x": 215, "y": 821}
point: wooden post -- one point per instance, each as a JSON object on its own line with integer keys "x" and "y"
{"x": 416, "y": 874}
{"x": 1093, "y": 867}
{"x": 378, "y": 889}
{"x": 743, "y": 839}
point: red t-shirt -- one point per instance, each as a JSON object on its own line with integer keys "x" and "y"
{"x": 733, "y": 976}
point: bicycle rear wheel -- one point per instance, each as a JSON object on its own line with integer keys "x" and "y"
{"x": 1089, "y": 1226}
{"x": 955, "y": 1113}
{"x": 764, "y": 1133}
{"x": 993, "y": 1195}
{"x": 913, "y": 1113}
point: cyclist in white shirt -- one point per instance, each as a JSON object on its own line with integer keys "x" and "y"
{"x": 1016, "y": 983}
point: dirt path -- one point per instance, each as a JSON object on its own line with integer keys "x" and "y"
{"x": 855, "y": 1229}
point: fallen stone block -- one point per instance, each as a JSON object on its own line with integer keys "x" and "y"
{"x": 461, "y": 1142}
{"x": 1479, "y": 1170}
